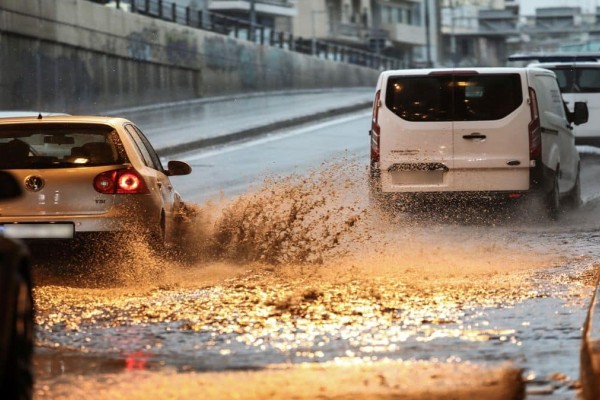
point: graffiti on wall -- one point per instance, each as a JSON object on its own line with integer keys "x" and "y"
{"x": 221, "y": 53}
{"x": 249, "y": 66}
{"x": 280, "y": 68}
{"x": 139, "y": 44}
{"x": 227, "y": 55}
{"x": 49, "y": 79}
{"x": 181, "y": 48}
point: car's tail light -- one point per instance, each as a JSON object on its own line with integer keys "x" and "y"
{"x": 120, "y": 181}
{"x": 535, "y": 129}
{"x": 375, "y": 130}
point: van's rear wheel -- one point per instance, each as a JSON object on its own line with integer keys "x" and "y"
{"x": 553, "y": 199}
{"x": 575, "y": 193}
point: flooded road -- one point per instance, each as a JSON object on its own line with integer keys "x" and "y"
{"x": 296, "y": 269}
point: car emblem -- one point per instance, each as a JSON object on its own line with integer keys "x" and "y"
{"x": 34, "y": 183}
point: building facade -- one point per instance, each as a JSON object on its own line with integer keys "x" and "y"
{"x": 402, "y": 29}
{"x": 485, "y": 33}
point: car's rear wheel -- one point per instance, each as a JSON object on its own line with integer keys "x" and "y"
{"x": 18, "y": 380}
{"x": 158, "y": 237}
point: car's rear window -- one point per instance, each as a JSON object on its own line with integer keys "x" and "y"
{"x": 52, "y": 145}
{"x": 452, "y": 97}
{"x": 577, "y": 80}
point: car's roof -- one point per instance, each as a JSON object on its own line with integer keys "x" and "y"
{"x": 64, "y": 118}
{"x": 25, "y": 113}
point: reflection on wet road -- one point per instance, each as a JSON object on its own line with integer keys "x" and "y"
{"x": 300, "y": 270}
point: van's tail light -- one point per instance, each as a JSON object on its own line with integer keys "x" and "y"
{"x": 375, "y": 130}
{"x": 120, "y": 181}
{"x": 535, "y": 129}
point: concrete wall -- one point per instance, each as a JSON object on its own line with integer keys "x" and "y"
{"x": 77, "y": 56}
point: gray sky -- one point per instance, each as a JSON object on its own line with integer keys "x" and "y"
{"x": 527, "y": 7}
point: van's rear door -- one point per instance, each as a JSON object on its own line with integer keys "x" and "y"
{"x": 491, "y": 138}
{"x": 416, "y": 144}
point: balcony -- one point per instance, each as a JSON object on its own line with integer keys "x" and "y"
{"x": 279, "y": 8}
{"x": 498, "y": 23}
{"x": 350, "y": 34}
{"x": 406, "y": 34}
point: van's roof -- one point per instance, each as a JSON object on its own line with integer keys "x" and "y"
{"x": 478, "y": 70}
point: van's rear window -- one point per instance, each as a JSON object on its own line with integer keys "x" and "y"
{"x": 454, "y": 97}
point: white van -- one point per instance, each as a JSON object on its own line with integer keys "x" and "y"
{"x": 578, "y": 77}
{"x": 484, "y": 132}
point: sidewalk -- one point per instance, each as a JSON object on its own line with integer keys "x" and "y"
{"x": 212, "y": 121}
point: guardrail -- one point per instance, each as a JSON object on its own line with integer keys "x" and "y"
{"x": 259, "y": 34}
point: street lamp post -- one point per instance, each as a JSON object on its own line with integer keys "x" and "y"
{"x": 427, "y": 35}
{"x": 252, "y": 19}
{"x": 313, "y": 51}
{"x": 453, "y": 33}
{"x": 313, "y": 15}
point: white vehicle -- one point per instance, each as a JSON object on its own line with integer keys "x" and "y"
{"x": 578, "y": 76}
{"x": 484, "y": 132}
{"x": 87, "y": 177}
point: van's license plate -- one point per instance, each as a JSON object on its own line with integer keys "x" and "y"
{"x": 37, "y": 231}
{"x": 435, "y": 177}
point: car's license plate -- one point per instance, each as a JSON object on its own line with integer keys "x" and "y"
{"x": 37, "y": 231}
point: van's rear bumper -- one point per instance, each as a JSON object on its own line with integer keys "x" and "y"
{"x": 440, "y": 180}
{"x": 538, "y": 182}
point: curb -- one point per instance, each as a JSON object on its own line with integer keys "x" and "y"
{"x": 589, "y": 366}
{"x": 379, "y": 381}
{"x": 260, "y": 130}
{"x": 218, "y": 99}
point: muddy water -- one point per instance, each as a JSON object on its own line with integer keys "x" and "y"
{"x": 300, "y": 270}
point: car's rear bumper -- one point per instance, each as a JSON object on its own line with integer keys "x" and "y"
{"x": 53, "y": 227}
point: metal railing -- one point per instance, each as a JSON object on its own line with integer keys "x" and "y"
{"x": 259, "y": 34}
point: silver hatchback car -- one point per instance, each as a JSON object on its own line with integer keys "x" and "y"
{"x": 86, "y": 174}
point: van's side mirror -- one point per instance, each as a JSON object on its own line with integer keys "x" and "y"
{"x": 580, "y": 113}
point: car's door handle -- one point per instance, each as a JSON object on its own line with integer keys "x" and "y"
{"x": 473, "y": 136}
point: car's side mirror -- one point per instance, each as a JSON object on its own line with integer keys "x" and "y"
{"x": 580, "y": 113}
{"x": 9, "y": 187}
{"x": 178, "y": 168}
